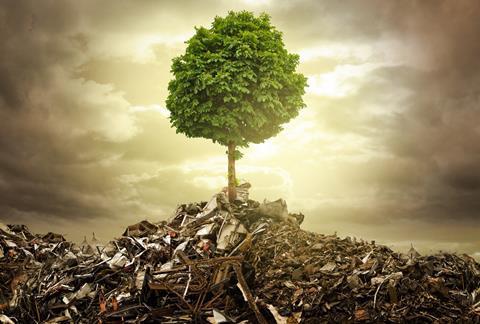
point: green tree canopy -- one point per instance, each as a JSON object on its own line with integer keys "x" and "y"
{"x": 236, "y": 82}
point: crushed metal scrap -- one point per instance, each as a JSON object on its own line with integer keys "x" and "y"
{"x": 218, "y": 262}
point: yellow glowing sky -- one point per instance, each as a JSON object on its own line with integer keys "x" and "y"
{"x": 372, "y": 155}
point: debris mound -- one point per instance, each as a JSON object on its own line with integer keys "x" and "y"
{"x": 221, "y": 262}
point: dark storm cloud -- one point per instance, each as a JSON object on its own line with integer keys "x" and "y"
{"x": 50, "y": 135}
{"x": 30, "y": 46}
{"x": 21, "y": 37}
{"x": 440, "y": 125}
{"x": 45, "y": 175}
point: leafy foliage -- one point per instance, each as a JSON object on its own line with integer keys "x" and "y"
{"x": 236, "y": 82}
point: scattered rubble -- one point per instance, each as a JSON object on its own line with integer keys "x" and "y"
{"x": 218, "y": 262}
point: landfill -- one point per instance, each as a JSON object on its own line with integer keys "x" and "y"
{"x": 221, "y": 262}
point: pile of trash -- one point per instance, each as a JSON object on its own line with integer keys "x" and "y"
{"x": 221, "y": 262}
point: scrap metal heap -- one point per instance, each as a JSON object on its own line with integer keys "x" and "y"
{"x": 218, "y": 262}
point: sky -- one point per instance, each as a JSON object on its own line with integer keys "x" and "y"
{"x": 386, "y": 149}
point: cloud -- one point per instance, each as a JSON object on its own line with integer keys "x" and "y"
{"x": 53, "y": 127}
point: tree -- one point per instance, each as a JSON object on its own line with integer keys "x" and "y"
{"x": 235, "y": 84}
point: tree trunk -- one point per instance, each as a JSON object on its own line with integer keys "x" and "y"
{"x": 232, "y": 188}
